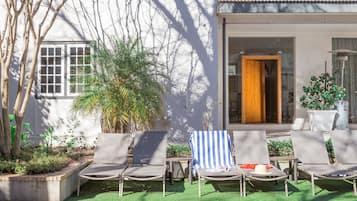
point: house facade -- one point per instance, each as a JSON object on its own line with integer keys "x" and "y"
{"x": 214, "y": 54}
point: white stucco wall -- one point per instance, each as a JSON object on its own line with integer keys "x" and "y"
{"x": 182, "y": 33}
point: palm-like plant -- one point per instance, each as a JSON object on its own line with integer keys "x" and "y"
{"x": 123, "y": 87}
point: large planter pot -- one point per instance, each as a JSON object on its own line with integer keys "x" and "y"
{"x": 342, "y": 115}
{"x": 321, "y": 120}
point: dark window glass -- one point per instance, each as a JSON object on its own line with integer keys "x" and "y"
{"x": 58, "y": 51}
{"x": 50, "y": 89}
{"x": 51, "y": 51}
{"x": 58, "y": 88}
{"x": 44, "y": 51}
{"x": 58, "y": 70}
{"x": 43, "y": 88}
{"x": 50, "y": 70}
{"x": 73, "y": 51}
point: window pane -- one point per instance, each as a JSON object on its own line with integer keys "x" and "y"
{"x": 43, "y": 79}
{"x": 50, "y": 79}
{"x": 73, "y": 60}
{"x": 43, "y": 51}
{"x": 73, "y": 70}
{"x": 43, "y": 70}
{"x": 87, "y": 60}
{"x": 72, "y": 88}
{"x": 58, "y": 69}
{"x": 58, "y": 88}
{"x": 87, "y": 51}
{"x": 50, "y": 61}
{"x": 58, "y": 79}
{"x": 73, "y": 79}
{"x": 80, "y": 51}
{"x": 58, "y": 60}
{"x": 50, "y": 70}
{"x": 51, "y": 51}
{"x": 79, "y": 79}
{"x": 43, "y": 89}
{"x": 43, "y": 61}
{"x": 58, "y": 51}
{"x": 87, "y": 69}
{"x": 50, "y": 89}
{"x": 73, "y": 51}
{"x": 80, "y": 60}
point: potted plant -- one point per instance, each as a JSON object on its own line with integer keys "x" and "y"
{"x": 320, "y": 98}
{"x": 123, "y": 87}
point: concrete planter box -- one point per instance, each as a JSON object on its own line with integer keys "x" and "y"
{"x": 55, "y": 186}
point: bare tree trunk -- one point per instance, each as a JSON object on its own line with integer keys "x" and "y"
{"x": 2, "y": 138}
{"x": 6, "y": 132}
{"x": 17, "y": 144}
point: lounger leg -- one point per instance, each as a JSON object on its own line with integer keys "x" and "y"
{"x": 286, "y": 188}
{"x": 240, "y": 186}
{"x": 295, "y": 171}
{"x": 121, "y": 186}
{"x": 244, "y": 187}
{"x": 199, "y": 186}
{"x": 354, "y": 187}
{"x": 313, "y": 184}
{"x": 78, "y": 185}
{"x": 163, "y": 186}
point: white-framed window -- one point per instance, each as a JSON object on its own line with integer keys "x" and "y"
{"x": 63, "y": 68}
{"x": 51, "y": 70}
{"x": 79, "y": 68}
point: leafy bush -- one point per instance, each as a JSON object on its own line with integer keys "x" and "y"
{"x": 46, "y": 164}
{"x": 281, "y": 148}
{"x": 322, "y": 93}
{"x": 38, "y": 163}
{"x": 176, "y": 150}
{"x": 7, "y": 166}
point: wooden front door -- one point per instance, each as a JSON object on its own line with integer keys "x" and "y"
{"x": 254, "y": 91}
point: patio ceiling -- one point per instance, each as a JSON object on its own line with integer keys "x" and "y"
{"x": 294, "y": 11}
{"x": 287, "y": 1}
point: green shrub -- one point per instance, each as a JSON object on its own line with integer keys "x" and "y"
{"x": 7, "y": 166}
{"x": 177, "y": 150}
{"x": 37, "y": 164}
{"x": 281, "y": 148}
{"x": 46, "y": 164}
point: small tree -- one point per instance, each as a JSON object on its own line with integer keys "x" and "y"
{"x": 25, "y": 25}
{"x": 123, "y": 87}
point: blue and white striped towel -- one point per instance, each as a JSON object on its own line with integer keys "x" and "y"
{"x": 211, "y": 150}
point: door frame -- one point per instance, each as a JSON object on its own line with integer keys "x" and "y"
{"x": 277, "y": 58}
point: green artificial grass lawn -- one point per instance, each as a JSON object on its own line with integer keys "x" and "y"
{"x": 227, "y": 191}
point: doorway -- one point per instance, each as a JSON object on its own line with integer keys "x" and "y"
{"x": 261, "y": 89}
